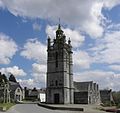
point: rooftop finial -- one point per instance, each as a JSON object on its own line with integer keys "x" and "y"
{"x": 69, "y": 41}
{"x": 59, "y": 26}
{"x": 59, "y": 20}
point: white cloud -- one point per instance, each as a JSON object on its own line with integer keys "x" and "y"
{"x": 111, "y": 3}
{"x": 37, "y": 68}
{"x": 39, "y": 80}
{"x": 36, "y": 27}
{"x": 86, "y": 14}
{"x": 107, "y": 50}
{"x": 93, "y": 23}
{"x": 81, "y": 60}
{"x": 15, "y": 70}
{"x": 1, "y": 4}
{"x": 115, "y": 67}
{"x": 76, "y": 38}
{"x": 39, "y": 74}
{"x": 8, "y": 49}
{"x": 33, "y": 49}
{"x": 113, "y": 27}
{"x": 104, "y": 79}
{"x": 38, "y": 77}
{"x": 50, "y": 31}
{"x": 26, "y": 82}
{"x": 32, "y": 82}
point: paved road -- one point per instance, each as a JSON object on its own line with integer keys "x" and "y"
{"x": 34, "y": 108}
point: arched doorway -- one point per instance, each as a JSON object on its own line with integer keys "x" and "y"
{"x": 56, "y": 98}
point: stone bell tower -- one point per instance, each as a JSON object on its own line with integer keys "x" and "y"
{"x": 59, "y": 70}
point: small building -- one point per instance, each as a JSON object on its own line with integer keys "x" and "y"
{"x": 86, "y": 93}
{"x": 42, "y": 95}
{"x": 106, "y": 96}
{"x": 31, "y": 94}
{"x": 35, "y": 94}
{"x": 16, "y": 92}
{"x": 10, "y": 89}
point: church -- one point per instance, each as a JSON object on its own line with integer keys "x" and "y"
{"x": 59, "y": 70}
{"x": 60, "y": 86}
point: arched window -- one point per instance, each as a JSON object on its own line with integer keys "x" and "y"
{"x": 56, "y": 59}
{"x": 56, "y": 82}
{"x": 18, "y": 90}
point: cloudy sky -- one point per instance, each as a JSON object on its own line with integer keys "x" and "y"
{"x": 92, "y": 25}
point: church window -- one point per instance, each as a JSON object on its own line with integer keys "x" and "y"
{"x": 60, "y": 83}
{"x": 56, "y": 82}
{"x": 56, "y": 59}
{"x": 51, "y": 83}
{"x": 18, "y": 90}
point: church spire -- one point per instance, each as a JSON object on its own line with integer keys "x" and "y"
{"x": 59, "y": 32}
{"x": 59, "y": 26}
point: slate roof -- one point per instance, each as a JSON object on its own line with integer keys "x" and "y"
{"x": 83, "y": 86}
{"x": 14, "y": 86}
{"x": 43, "y": 90}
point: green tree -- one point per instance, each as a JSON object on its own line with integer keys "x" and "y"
{"x": 116, "y": 97}
{"x": 12, "y": 78}
{"x": 3, "y": 77}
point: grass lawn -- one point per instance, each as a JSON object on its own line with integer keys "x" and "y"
{"x": 7, "y": 105}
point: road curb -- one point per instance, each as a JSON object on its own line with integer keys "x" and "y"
{"x": 60, "y": 108}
